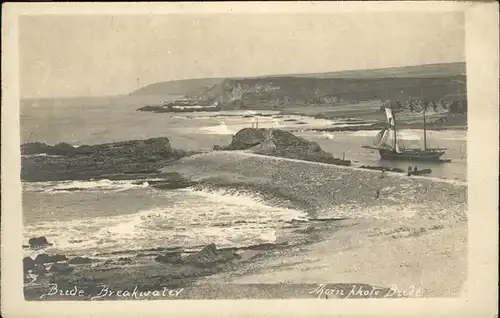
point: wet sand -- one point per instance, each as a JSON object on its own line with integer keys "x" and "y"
{"x": 433, "y": 261}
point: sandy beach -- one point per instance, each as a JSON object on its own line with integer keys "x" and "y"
{"x": 410, "y": 241}
{"x": 425, "y": 250}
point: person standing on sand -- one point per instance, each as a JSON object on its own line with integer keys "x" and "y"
{"x": 409, "y": 170}
{"x": 382, "y": 174}
{"x": 377, "y": 194}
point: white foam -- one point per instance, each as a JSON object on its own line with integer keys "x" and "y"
{"x": 221, "y": 129}
{"x": 37, "y": 155}
{"x": 328, "y": 135}
{"x": 232, "y": 124}
{"x": 71, "y": 186}
{"x": 192, "y": 218}
{"x": 248, "y": 200}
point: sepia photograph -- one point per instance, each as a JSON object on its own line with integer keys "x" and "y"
{"x": 233, "y": 155}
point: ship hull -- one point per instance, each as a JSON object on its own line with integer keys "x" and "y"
{"x": 411, "y": 155}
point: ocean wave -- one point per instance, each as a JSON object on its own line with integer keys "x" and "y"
{"x": 231, "y": 125}
{"x": 233, "y": 196}
{"x": 91, "y": 185}
{"x": 195, "y": 218}
{"x": 221, "y": 129}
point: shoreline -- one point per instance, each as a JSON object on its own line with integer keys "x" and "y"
{"x": 325, "y": 262}
{"x": 302, "y": 268}
{"x": 335, "y": 224}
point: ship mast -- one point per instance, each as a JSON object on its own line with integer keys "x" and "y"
{"x": 425, "y": 124}
{"x": 395, "y": 141}
{"x": 425, "y": 131}
{"x": 394, "y": 127}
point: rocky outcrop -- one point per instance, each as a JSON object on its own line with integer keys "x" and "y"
{"x": 60, "y": 268}
{"x": 381, "y": 168}
{"x": 151, "y": 146}
{"x": 280, "y": 91}
{"x": 45, "y": 258}
{"x": 180, "y": 107}
{"x": 110, "y": 160}
{"x": 210, "y": 255}
{"x": 28, "y": 264}
{"x": 37, "y": 265}
{"x": 38, "y": 242}
{"x": 170, "y": 258}
{"x": 280, "y": 143}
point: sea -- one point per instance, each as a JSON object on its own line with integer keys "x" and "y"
{"x": 105, "y": 216}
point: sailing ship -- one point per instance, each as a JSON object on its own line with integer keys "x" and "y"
{"x": 395, "y": 150}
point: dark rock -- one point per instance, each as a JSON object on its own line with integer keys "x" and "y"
{"x": 60, "y": 268}
{"x": 170, "y": 258}
{"x": 419, "y": 172}
{"x": 84, "y": 150}
{"x": 149, "y": 108}
{"x": 27, "y": 279}
{"x": 110, "y": 160}
{"x": 39, "y": 270}
{"x": 62, "y": 149}
{"x": 247, "y": 138}
{"x": 80, "y": 260}
{"x": 380, "y": 168}
{"x": 35, "y": 148}
{"x": 171, "y": 184}
{"x": 308, "y": 230}
{"x": 45, "y": 258}
{"x": 280, "y": 143}
{"x": 263, "y": 246}
{"x": 38, "y": 242}
{"x": 28, "y": 264}
{"x": 211, "y": 255}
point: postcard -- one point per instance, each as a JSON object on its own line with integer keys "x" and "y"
{"x": 228, "y": 159}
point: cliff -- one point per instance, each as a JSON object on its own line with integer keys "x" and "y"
{"x": 431, "y": 82}
{"x": 279, "y": 92}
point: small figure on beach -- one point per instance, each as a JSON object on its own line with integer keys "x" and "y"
{"x": 377, "y": 194}
{"x": 382, "y": 174}
{"x": 409, "y": 170}
{"x": 415, "y": 169}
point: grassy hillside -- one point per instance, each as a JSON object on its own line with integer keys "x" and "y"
{"x": 433, "y": 82}
{"x": 421, "y": 71}
{"x": 188, "y": 87}
{"x": 195, "y": 86}
{"x": 278, "y": 92}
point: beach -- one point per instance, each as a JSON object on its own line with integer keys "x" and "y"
{"x": 344, "y": 237}
{"x": 234, "y": 223}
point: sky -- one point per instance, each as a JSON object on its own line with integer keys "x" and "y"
{"x": 76, "y": 56}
